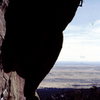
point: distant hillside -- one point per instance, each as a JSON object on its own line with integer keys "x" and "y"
{"x": 63, "y": 63}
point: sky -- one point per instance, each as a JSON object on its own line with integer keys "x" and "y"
{"x": 82, "y": 35}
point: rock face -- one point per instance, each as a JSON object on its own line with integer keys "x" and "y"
{"x": 32, "y": 42}
{"x": 11, "y": 85}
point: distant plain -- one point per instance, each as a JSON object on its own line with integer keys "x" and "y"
{"x": 73, "y": 75}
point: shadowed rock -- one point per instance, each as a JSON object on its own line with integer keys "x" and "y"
{"x": 34, "y": 38}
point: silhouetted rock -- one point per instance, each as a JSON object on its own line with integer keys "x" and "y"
{"x": 34, "y": 38}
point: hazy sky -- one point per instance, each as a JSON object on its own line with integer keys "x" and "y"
{"x": 82, "y": 36}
